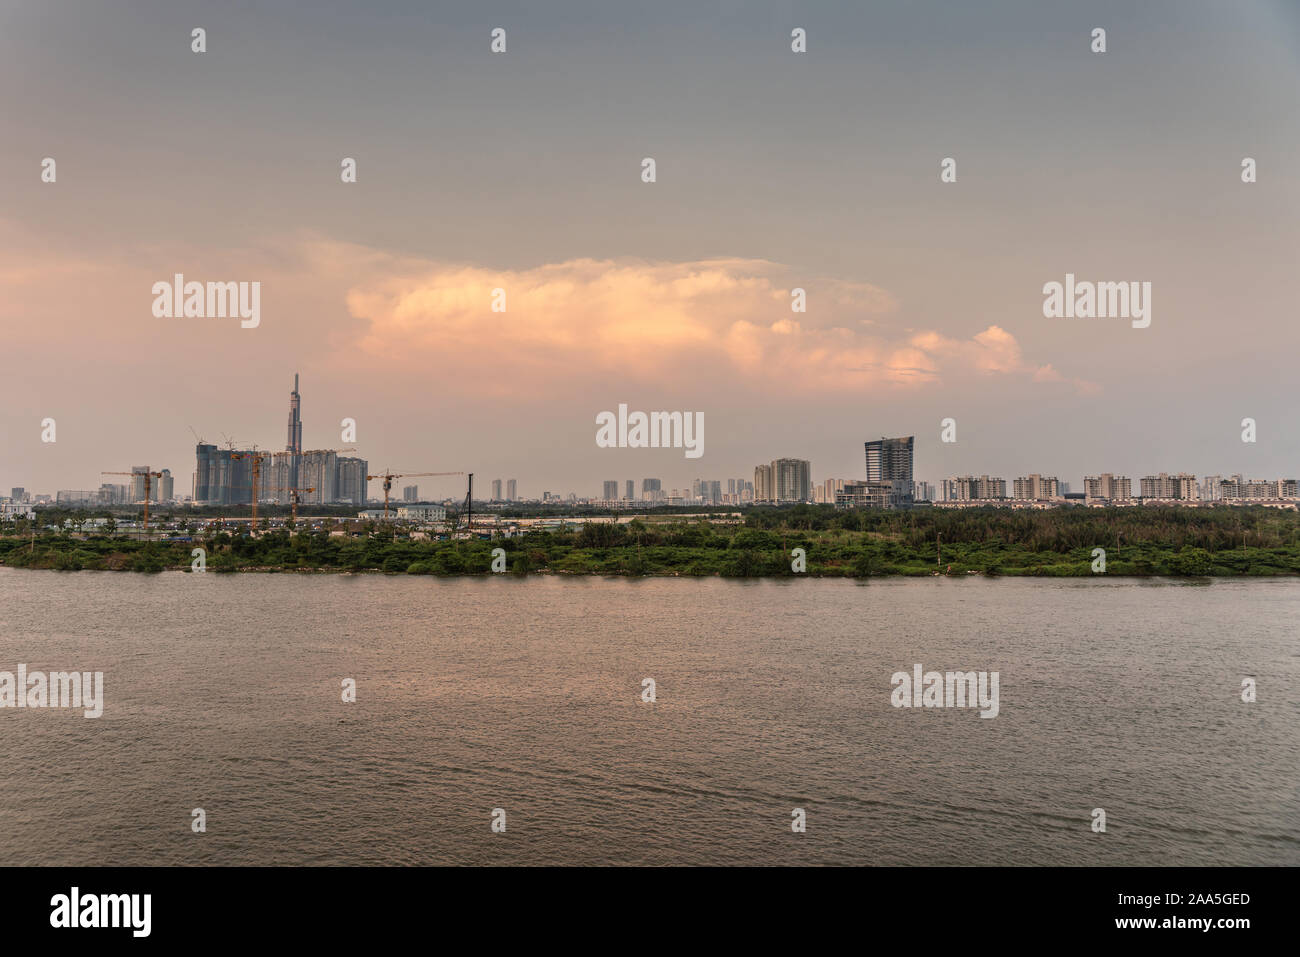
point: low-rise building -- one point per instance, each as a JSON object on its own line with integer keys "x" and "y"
{"x": 422, "y": 513}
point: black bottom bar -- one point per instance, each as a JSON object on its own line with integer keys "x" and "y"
{"x": 946, "y": 906}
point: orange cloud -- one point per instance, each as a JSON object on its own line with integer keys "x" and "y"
{"x": 667, "y": 321}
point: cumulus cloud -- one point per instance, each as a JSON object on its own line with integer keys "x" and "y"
{"x": 670, "y": 321}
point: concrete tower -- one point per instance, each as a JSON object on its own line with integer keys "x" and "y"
{"x": 295, "y": 432}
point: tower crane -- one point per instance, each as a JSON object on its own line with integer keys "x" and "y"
{"x": 293, "y": 492}
{"x": 148, "y": 483}
{"x": 469, "y": 506}
{"x": 257, "y": 456}
{"x": 257, "y": 472}
{"x": 388, "y": 481}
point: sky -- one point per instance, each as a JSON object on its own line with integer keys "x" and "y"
{"x": 775, "y": 170}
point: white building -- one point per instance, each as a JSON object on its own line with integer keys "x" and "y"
{"x": 422, "y": 513}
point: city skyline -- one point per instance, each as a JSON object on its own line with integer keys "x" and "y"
{"x": 887, "y": 461}
{"x": 16, "y": 475}
{"x": 228, "y": 476}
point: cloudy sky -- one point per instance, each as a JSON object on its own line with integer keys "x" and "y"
{"x": 775, "y": 170}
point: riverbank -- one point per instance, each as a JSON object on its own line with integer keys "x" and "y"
{"x": 987, "y": 546}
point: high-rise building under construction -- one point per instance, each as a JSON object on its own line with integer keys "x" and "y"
{"x": 225, "y": 476}
{"x": 294, "y": 445}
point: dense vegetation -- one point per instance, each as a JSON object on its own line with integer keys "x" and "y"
{"x": 1055, "y": 542}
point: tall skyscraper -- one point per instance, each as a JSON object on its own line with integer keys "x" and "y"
{"x": 496, "y": 490}
{"x": 295, "y": 419}
{"x": 611, "y": 490}
{"x": 889, "y": 473}
{"x": 890, "y": 460}
{"x": 410, "y": 493}
{"x": 631, "y": 489}
{"x": 512, "y": 490}
{"x": 294, "y": 442}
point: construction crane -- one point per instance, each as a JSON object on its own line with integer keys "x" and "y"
{"x": 388, "y": 481}
{"x": 148, "y": 484}
{"x": 257, "y": 473}
{"x": 469, "y": 506}
{"x": 293, "y": 492}
{"x": 256, "y": 456}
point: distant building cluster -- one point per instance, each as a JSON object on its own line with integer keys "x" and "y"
{"x": 1108, "y": 489}
{"x": 969, "y": 488}
{"x": 327, "y": 476}
{"x": 320, "y": 477}
{"x": 652, "y": 492}
{"x": 162, "y": 490}
{"x": 507, "y": 493}
{"x": 16, "y": 505}
{"x": 226, "y": 476}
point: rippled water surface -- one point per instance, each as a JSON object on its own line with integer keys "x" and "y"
{"x": 223, "y": 692}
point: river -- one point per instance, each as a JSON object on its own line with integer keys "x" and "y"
{"x": 223, "y": 692}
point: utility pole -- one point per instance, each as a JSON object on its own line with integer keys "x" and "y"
{"x": 469, "y": 506}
